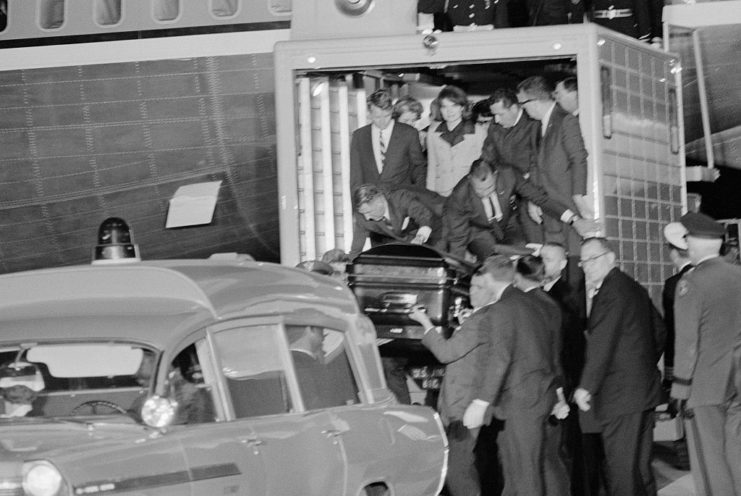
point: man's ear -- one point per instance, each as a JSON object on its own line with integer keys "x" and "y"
{"x": 562, "y": 264}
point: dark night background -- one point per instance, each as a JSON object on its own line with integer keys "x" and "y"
{"x": 721, "y": 199}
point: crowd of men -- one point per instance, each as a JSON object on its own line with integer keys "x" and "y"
{"x": 527, "y": 186}
{"x": 562, "y": 354}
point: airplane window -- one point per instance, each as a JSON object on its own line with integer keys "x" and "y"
{"x": 224, "y": 8}
{"x": 107, "y": 12}
{"x": 51, "y": 14}
{"x": 166, "y": 10}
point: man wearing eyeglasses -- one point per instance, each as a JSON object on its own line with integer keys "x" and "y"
{"x": 621, "y": 381}
{"x": 561, "y": 159}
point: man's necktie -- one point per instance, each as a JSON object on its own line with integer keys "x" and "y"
{"x": 382, "y": 148}
{"x": 591, "y": 293}
{"x": 496, "y": 209}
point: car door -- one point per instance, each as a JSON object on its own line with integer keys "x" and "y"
{"x": 400, "y": 445}
{"x": 299, "y": 448}
{"x": 221, "y": 455}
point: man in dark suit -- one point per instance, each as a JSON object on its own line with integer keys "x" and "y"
{"x": 386, "y": 152}
{"x": 510, "y": 142}
{"x": 477, "y": 212}
{"x": 518, "y": 379}
{"x": 561, "y": 159}
{"x": 388, "y": 216}
{"x": 582, "y": 440}
{"x": 462, "y": 355}
{"x": 621, "y": 381}
{"x": 707, "y": 365}
{"x": 529, "y": 275}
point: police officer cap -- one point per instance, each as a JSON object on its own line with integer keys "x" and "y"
{"x": 675, "y": 233}
{"x": 702, "y": 226}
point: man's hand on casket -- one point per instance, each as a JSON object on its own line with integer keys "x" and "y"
{"x": 475, "y": 413}
{"x": 423, "y": 234}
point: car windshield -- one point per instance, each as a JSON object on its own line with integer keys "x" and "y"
{"x": 74, "y": 379}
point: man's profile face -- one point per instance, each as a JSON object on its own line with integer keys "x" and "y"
{"x": 374, "y": 209}
{"x": 379, "y": 117}
{"x": 505, "y": 116}
{"x": 480, "y": 291}
{"x": 568, "y": 100}
{"x": 531, "y": 105}
{"x": 484, "y": 187}
{"x": 554, "y": 261}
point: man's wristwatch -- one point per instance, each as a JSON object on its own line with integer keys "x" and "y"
{"x": 573, "y": 219}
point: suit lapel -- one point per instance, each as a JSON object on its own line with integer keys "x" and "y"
{"x": 599, "y": 295}
{"x": 391, "y": 146}
{"x": 370, "y": 168}
{"x": 478, "y": 206}
{"x": 545, "y": 138}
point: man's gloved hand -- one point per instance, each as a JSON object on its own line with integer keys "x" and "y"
{"x": 535, "y": 212}
{"x": 582, "y": 399}
{"x": 474, "y": 415}
{"x": 561, "y": 408}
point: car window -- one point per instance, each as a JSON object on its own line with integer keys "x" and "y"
{"x": 188, "y": 387}
{"x": 253, "y": 370}
{"x": 71, "y": 379}
{"x": 368, "y": 348}
{"x": 256, "y": 370}
{"x": 323, "y": 370}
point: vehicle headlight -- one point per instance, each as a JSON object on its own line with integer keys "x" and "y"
{"x": 41, "y": 478}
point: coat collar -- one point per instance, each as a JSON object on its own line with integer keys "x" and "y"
{"x": 458, "y": 133}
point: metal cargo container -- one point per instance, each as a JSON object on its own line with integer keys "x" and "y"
{"x": 630, "y": 116}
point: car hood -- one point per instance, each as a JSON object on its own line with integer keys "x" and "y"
{"x": 30, "y": 438}
{"x": 93, "y": 456}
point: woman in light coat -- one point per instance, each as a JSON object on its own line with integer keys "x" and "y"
{"x": 454, "y": 144}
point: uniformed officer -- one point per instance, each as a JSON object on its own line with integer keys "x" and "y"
{"x": 676, "y": 244}
{"x": 630, "y": 17}
{"x": 707, "y": 361}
